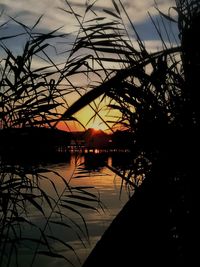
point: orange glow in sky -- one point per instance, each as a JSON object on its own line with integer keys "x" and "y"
{"x": 104, "y": 118}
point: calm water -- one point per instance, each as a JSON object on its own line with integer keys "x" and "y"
{"x": 88, "y": 170}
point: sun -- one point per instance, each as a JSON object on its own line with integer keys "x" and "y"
{"x": 87, "y": 118}
{"x": 96, "y": 125}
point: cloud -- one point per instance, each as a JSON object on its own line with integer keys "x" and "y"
{"x": 28, "y": 12}
{"x": 138, "y": 10}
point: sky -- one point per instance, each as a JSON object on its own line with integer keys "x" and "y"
{"x": 28, "y": 11}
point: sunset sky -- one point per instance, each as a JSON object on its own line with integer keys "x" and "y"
{"x": 27, "y": 11}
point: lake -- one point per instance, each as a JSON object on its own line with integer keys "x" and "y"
{"x": 87, "y": 170}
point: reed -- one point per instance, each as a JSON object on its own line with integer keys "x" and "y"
{"x": 33, "y": 97}
{"x": 157, "y": 95}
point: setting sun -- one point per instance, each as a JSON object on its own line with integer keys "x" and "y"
{"x": 89, "y": 117}
{"x": 98, "y": 125}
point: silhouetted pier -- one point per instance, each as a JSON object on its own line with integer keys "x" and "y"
{"x": 85, "y": 150}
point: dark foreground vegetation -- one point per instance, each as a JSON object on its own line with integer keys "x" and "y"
{"x": 31, "y": 102}
{"x": 157, "y": 95}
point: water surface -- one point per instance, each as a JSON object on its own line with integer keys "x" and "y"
{"x": 87, "y": 170}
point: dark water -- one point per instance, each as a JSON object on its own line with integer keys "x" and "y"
{"x": 105, "y": 184}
